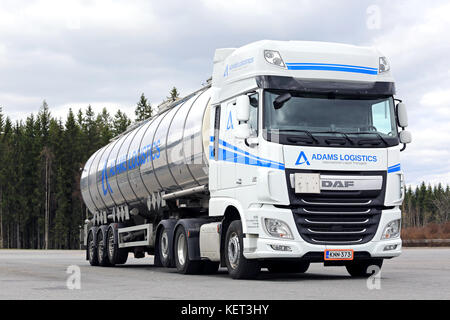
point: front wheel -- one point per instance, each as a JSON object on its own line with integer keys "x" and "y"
{"x": 362, "y": 269}
{"x": 238, "y": 266}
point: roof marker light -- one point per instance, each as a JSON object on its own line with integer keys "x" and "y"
{"x": 384, "y": 65}
{"x": 274, "y": 57}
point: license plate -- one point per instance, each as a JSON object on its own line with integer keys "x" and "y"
{"x": 307, "y": 182}
{"x": 338, "y": 254}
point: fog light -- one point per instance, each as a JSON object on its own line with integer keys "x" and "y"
{"x": 390, "y": 247}
{"x": 279, "y": 247}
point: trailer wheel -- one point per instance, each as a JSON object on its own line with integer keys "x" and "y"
{"x": 238, "y": 266}
{"x": 288, "y": 267}
{"x": 163, "y": 248}
{"x": 116, "y": 255}
{"x": 181, "y": 252}
{"x": 92, "y": 250}
{"x": 361, "y": 269}
{"x": 101, "y": 249}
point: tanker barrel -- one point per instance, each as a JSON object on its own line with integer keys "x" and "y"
{"x": 164, "y": 155}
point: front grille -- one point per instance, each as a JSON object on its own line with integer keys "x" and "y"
{"x": 337, "y": 217}
{"x": 337, "y": 225}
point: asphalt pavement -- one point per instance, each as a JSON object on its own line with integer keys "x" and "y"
{"x": 419, "y": 273}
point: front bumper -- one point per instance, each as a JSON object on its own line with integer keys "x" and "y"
{"x": 259, "y": 246}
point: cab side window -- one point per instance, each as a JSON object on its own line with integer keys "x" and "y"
{"x": 253, "y": 120}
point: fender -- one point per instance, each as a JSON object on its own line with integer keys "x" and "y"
{"x": 218, "y": 206}
{"x": 192, "y": 227}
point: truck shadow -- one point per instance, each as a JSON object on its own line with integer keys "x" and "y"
{"x": 264, "y": 275}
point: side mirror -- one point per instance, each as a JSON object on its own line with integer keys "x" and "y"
{"x": 402, "y": 115}
{"x": 405, "y": 137}
{"x": 242, "y": 131}
{"x": 243, "y": 108}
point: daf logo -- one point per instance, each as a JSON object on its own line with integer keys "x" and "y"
{"x": 337, "y": 184}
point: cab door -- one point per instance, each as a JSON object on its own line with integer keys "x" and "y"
{"x": 247, "y": 161}
{"x": 223, "y": 144}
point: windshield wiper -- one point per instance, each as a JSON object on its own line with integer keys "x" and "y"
{"x": 308, "y": 133}
{"x": 375, "y": 133}
{"x": 338, "y": 132}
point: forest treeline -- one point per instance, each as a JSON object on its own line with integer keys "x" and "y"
{"x": 41, "y": 159}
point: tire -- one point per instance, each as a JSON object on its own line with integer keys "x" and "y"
{"x": 210, "y": 267}
{"x": 164, "y": 248}
{"x": 238, "y": 266}
{"x": 288, "y": 267}
{"x": 115, "y": 254}
{"x": 92, "y": 249}
{"x": 101, "y": 249}
{"x": 181, "y": 252}
{"x": 360, "y": 269}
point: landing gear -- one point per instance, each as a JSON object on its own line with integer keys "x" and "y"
{"x": 238, "y": 266}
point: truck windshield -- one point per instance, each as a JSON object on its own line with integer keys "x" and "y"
{"x": 323, "y": 119}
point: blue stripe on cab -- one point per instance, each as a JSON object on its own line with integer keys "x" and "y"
{"x": 331, "y": 67}
{"x": 394, "y": 168}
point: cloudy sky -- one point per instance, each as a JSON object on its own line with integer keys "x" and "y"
{"x": 107, "y": 52}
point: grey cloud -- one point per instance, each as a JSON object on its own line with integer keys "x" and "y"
{"x": 124, "y": 48}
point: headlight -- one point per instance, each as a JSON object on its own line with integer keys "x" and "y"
{"x": 274, "y": 57}
{"x": 392, "y": 230}
{"x": 384, "y": 65}
{"x": 277, "y": 228}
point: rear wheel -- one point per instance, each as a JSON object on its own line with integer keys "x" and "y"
{"x": 115, "y": 254}
{"x": 181, "y": 252}
{"x": 362, "y": 269}
{"x": 101, "y": 250}
{"x": 238, "y": 266}
{"x": 288, "y": 267}
{"x": 164, "y": 252}
{"x": 91, "y": 250}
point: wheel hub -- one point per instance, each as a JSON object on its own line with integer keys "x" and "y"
{"x": 234, "y": 250}
{"x": 181, "y": 249}
{"x": 164, "y": 245}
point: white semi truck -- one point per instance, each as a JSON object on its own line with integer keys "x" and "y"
{"x": 289, "y": 155}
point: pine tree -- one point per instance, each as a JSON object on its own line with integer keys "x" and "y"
{"x": 173, "y": 94}
{"x": 120, "y": 123}
{"x": 143, "y": 109}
